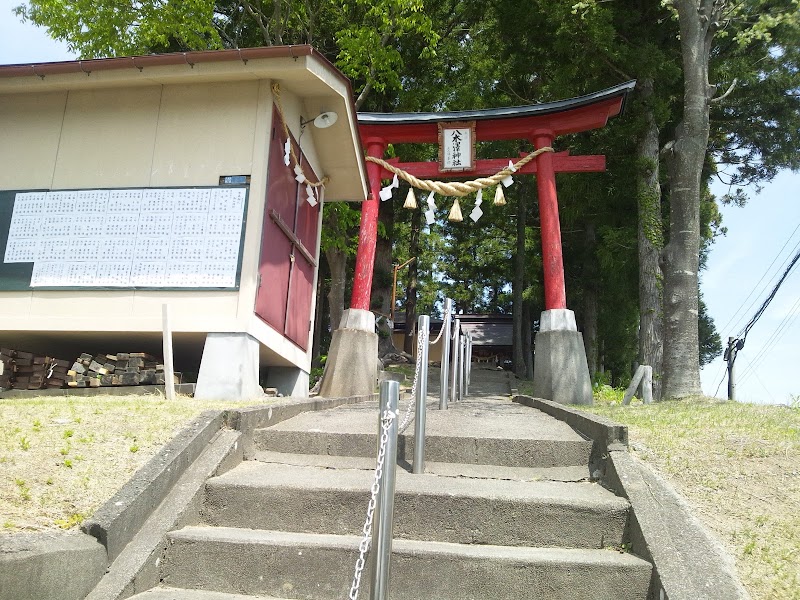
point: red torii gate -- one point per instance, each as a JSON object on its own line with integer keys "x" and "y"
{"x": 560, "y": 372}
{"x": 539, "y": 123}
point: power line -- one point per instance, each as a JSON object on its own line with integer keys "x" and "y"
{"x": 762, "y": 384}
{"x": 721, "y": 379}
{"x": 735, "y": 344}
{"x": 755, "y": 287}
{"x": 778, "y": 333}
{"x": 754, "y": 319}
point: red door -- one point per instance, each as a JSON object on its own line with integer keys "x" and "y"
{"x": 288, "y": 246}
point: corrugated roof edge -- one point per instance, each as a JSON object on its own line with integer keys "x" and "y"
{"x": 174, "y": 58}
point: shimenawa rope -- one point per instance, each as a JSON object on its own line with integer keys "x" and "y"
{"x": 458, "y": 188}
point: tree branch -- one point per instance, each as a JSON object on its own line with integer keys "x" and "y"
{"x": 259, "y": 21}
{"x": 726, "y": 94}
{"x": 371, "y": 76}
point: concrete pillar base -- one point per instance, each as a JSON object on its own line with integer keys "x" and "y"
{"x": 229, "y": 368}
{"x": 289, "y": 381}
{"x": 352, "y": 365}
{"x": 560, "y": 370}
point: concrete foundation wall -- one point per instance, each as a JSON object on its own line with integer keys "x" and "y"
{"x": 50, "y": 566}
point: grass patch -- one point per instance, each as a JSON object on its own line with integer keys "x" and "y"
{"x": 63, "y": 457}
{"x": 738, "y": 465}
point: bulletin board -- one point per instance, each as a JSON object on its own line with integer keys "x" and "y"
{"x": 131, "y": 238}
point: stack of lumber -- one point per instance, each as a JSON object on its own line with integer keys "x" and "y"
{"x": 28, "y": 371}
{"x": 102, "y": 370}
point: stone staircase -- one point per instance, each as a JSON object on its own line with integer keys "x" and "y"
{"x": 505, "y": 510}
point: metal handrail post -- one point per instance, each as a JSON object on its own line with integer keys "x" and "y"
{"x": 455, "y": 366}
{"x": 383, "y": 528}
{"x": 468, "y": 364}
{"x": 423, "y": 327}
{"x": 462, "y": 369}
{"x": 445, "y": 368}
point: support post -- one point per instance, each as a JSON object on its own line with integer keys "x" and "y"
{"x": 730, "y": 357}
{"x": 468, "y": 360}
{"x": 647, "y": 385}
{"x": 462, "y": 369}
{"x": 423, "y": 327}
{"x": 169, "y": 368}
{"x": 445, "y": 366}
{"x": 382, "y": 529}
{"x": 229, "y": 369}
{"x": 638, "y": 375}
{"x": 555, "y": 295}
{"x": 455, "y": 366}
{"x": 368, "y": 230}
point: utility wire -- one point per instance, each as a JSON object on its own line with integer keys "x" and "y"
{"x": 721, "y": 379}
{"x": 774, "y": 338}
{"x": 762, "y": 384}
{"x": 755, "y": 287}
{"x": 754, "y": 319}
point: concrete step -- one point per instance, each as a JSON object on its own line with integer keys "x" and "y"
{"x": 161, "y": 593}
{"x": 427, "y": 507}
{"x": 474, "y": 432}
{"x": 320, "y": 567}
{"x": 571, "y": 473}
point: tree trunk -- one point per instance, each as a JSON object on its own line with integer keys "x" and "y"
{"x": 337, "y": 263}
{"x": 651, "y": 243}
{"x": 383, "y": 269}
{"x": 681, "y": 347}
{"x": 518, "y": 286}
{"x": 316, "y": 348}
{"x": 590, "y": 267}
{"x": 411, "y": 289}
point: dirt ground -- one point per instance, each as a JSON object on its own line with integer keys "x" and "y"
{"x": 738, "y": 466}
{"x": 61, "y": 457}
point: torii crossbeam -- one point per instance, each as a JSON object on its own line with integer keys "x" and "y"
{"x": 540, "y": 124}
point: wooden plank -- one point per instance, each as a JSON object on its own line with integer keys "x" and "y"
{"x": 129, "y": 379}
{"x": 95, "y": 366}
{"x": 292, "y": 237}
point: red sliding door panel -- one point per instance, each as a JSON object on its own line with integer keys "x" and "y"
{"x": 288, "y": 246}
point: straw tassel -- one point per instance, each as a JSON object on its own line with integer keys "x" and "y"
{"x": 455, "y": 213}
{"x": 411, "y": 199}
{"x": 499, "y": 197}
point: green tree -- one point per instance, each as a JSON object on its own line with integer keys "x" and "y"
{"x": 363, "y": 35}
{"x": 702, "y": 25}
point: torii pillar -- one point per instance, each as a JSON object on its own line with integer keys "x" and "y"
{"x": 561, "y": 371}
{"x": 352, "y": 365}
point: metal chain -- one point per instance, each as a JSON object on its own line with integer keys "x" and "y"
{"x": 386, "y": 423}
{"x": 422, "y": 339}
{"x": 444, "y": 320}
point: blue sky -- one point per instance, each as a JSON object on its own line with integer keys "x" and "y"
{"x": 763, "y": 231}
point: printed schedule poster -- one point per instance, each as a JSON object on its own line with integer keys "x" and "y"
{"x": 173, "y": 238}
